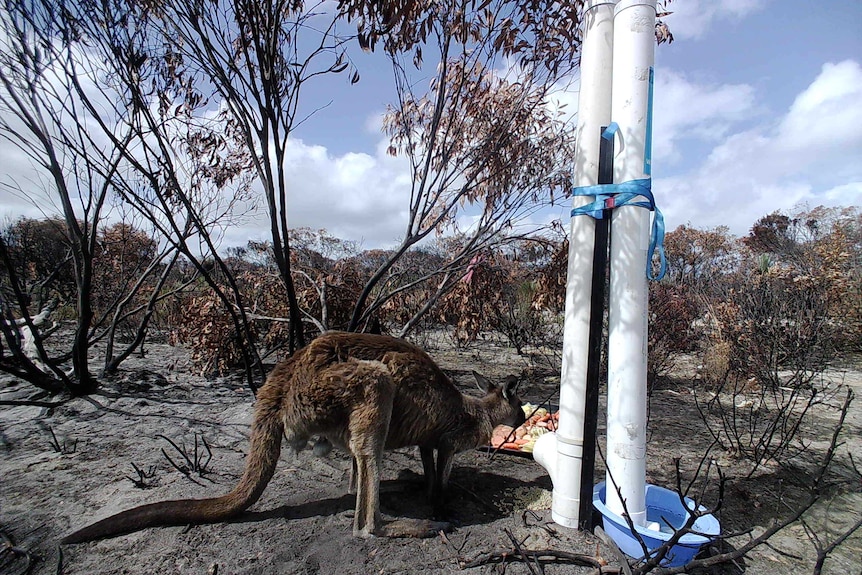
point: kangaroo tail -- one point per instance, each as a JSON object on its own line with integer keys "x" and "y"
{"x": 260, "y": 465}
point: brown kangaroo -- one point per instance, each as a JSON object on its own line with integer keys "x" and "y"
{"x": 363, "y": 393}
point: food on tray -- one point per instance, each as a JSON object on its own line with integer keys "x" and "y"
{"x": 539, "y": 421}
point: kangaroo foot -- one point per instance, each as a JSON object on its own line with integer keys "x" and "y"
{"x": 417, "y": 528}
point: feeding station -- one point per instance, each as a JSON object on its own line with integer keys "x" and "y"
{"x": 613, "y": 192}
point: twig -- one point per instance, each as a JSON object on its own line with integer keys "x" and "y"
{"x": 542, "y": 556}
{"x": 546, "y": 526}
{"x": 65, "y": 449}
{"x": 202, "y": 465}
{"x": 141, "y": 482}
{"x": 782, "y": 552}
{"x": 823, "y": 553}
{"x": 625, "y": 513}
{"x": 6, "y": 546}
{"x": 443, "y": 539}
{"x": 197, "y": 465}
{"x": 815, "y": 493}
{"x": 618, "y": 554}
{"x": 32, "y": 402}
{"x": 464, "y": 542}
{"x": 182, "y": 469}
{"x": 520, "y": 551}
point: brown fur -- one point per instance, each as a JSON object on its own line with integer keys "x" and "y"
{"x": 364, "y": 393}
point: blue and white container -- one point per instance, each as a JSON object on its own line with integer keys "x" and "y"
{"x": 664, "y": 514}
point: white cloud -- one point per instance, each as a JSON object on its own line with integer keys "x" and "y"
{"x": 693, "y": 18}
{"x": 844, "y": 195}
{"x": 374, "y": 122}
{"x": 25, "y": 190}
{"x": 827, "y": 115}
{"x": 685, "y": 109}
{"x": 811, "y": 154}
{"x": 354, "y": 196}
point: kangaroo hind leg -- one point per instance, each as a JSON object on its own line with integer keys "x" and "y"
{"x": 428, "y": 468}
{"x": 368, "y": 427}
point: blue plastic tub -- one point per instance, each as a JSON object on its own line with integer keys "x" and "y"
{"x": 663, "y": 506}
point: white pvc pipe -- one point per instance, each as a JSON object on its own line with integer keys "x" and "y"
{"x": 562, "y": 453}
{"x": 634, "y": 53}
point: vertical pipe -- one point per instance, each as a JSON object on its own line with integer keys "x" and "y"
{"x": 594, "y": 111}
{"x": 597, "y": 313}
{"x": 634, "y": 52}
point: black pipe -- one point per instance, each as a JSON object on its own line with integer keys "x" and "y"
{"x": 598, "y": 289}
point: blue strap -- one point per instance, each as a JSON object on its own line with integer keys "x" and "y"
{"x": 610, "y": 196}
{"x": 648, "y": 136}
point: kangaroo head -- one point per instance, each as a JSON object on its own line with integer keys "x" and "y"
{"x": 506, "y": 407}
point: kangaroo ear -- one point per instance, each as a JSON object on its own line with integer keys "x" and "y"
{"x": 510, "y": 386}
{"x": 483, "y": 382}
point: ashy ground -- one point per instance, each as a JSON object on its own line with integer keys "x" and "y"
{"x": 65, "y": 466}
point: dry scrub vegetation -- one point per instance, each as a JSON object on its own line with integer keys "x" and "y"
{"x": 752, "y": 378}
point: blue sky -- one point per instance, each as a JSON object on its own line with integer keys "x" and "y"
{"x": 758, "y": 108}
{"x": 786, "y": 127}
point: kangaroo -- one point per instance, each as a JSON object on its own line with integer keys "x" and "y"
{"x": 362, "y": 393}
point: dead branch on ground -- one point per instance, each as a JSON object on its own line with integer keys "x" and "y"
{"x": 196, "y": 464}
{"x": 541, "y": 557}
{"x": 815, "y": 494}
{"x": 9, "y": 554}
{"x": 143, "y": 476}
{"x": 31, "y": 403}
{"x": 65, "y": 448}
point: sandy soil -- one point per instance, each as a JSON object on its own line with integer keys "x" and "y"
{"x": 303, "y": 522}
